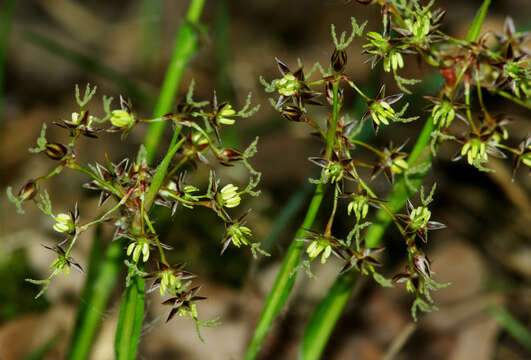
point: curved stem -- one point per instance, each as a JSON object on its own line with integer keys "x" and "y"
{"x": 328, "y": 311}
{"x": 286, "y": 277}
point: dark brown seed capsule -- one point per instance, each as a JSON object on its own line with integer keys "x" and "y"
{"x": 292, "y": 113}
{"x": 330, "y": 94}
{"x": 338, "y": 60}
{"x": 28, "y": 191}
{"x": 56, "y": 151}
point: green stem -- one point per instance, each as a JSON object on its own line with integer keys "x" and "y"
{"x": 513, "y": 98}
{"x": 130, "y": 320}
{"x": 162, "y": 169}
{"x": 132, "y": 309}
{"x": 328, "y": 311}
{"x": 186, "y": 44}
{"x": 286, "y": 277}
{"x": 99, "y": 285}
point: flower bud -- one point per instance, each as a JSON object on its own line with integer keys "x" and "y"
{"x": 76, "y": 118}
{"x": 224, "y": 114}
{"x": 399, "y": 164}
{"x": 56, "y": 151}
{"x": 64, "y": 223}
{"x": 229, "y": 196}
{"x": 28, "y": 191}
{"x": 288, "y": 85}
{"x": 338, "y": 60}
{"x": 360, "y": 206}
{"x": 239, "y": 234}
{"x": 526, "y": 159}
{"x": 121, "y": 118}
{"x": 419, "y": 217}
{"x": 292, "y": 113}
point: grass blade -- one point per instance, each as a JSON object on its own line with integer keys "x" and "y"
{"x": 186, "y": 44}
{"x": 101, "y": 278}
{"x": 130, "y": 320}
{"x": 286, "y": 215}
{"x": 475, "y": 27}
{"x": 132, "y": 309}
{"x": 285, "y": 279}
{"x": 327, "y": 313}
{"x": 514, "y": 327}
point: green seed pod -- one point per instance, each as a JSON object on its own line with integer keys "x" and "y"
{"x": 56, "y": 151}
{"x": 28, "y": 191}
{"x": 338, "y": 60}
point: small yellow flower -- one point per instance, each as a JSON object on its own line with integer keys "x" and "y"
{"x": 224, "y": 115}
{"x": 399, "y": 165}
{"x": 64, "y": 223}
{"x": 139, "y": 248}
{"x": 121, "y": 118}
{"x": 288, "y": 85}
{"x": 229, "y": 196}
{"x": 318, "y": 246}
{"x": 475, "y": 150}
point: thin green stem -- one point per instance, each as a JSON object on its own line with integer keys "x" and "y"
{"x": 513, "y": 98}
{"x": 101, "y": 278}
{"x": 331, "y": 128}
{"x": 286, "y": 277}
{"x": 367, "y": 146}
{"x": 353, "y": 85}
{"x": 159, "y": 246}
{"x": 186, "y": 44}
{"x": 104, "y": 216}
{"x": 132, "y": 310}
{"x": 328, "y": 311}
{"x": 108, "y": 186}
{"x": 162, "y": 169}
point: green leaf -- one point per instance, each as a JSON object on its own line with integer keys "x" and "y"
{"x": 132, "y": 308}
{"x": 186, "y": 44}
{"x": 511, "y": 324}
{"x": 475, "y": 27}
{"x": 99, "y": 285}
{"x": 130, "y": 320}
{"x": 285, "y": 279}
{"x": 325, "y": 316}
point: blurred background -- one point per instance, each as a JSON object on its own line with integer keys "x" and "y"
{"x": 123, "y": 47}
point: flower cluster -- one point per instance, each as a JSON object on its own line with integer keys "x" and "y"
{"x": 135, "y": 187}
{"x": 467, "y": 66}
